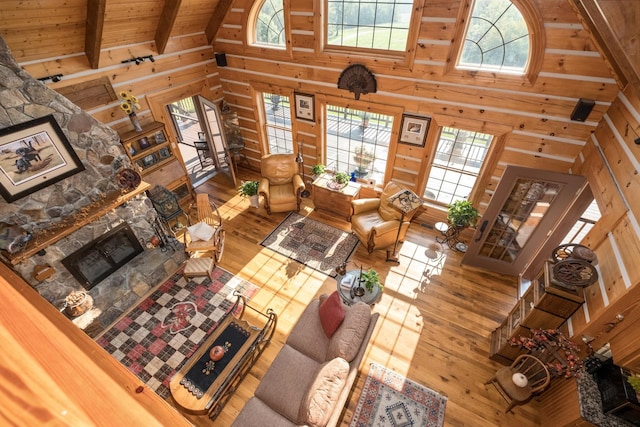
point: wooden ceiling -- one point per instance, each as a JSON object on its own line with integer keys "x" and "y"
{"x": 36, "y": 30}
{"x": 39, "y": 29}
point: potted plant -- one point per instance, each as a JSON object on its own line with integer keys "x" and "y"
{"x": 369, "y": 279}
{"x": 250, "y": 189}
{"x": 461, "y": 213}
{"x": 339, "y": 180}
{"x": 317, "y": 170}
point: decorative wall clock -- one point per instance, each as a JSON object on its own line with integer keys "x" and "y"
{"x": 358, "y": 79}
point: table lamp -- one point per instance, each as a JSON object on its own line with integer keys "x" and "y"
{"x": 406, "y": 201}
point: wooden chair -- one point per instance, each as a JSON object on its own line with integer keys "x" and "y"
{"x": 536, "y": 372}
{"x": 207, "y": 212}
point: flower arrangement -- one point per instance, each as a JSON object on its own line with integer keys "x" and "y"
{"x": 129, "y": 102}
{"x": 563, "y": 360}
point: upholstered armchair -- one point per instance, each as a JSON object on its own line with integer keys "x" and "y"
{"x": 281, "y": 185}
{"x": 376, "y": 223}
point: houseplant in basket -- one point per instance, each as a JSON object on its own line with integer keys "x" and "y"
{"x": 250, "y": 189}
{"x": 317, "y": 170}
{"x": 339, "y": 180}
{"x": 462, "y": 214}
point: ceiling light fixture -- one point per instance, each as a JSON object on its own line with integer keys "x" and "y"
{"x": 139, "y": 59}
{"x": 54, "y": 78}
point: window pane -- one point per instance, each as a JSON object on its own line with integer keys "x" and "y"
{"x": 278, "y": 126}
{"x": 358, "y": 142}
{"x": 458, "y": 158}
{"x": 270, "y": 24}
{"x": 369, "y": 24}
{"x": 497, "y": 37}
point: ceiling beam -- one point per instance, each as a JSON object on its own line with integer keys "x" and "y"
{"x": 93, "y": 31}
{"x": 216, "y": 19}
{"x": 166, "y": 22}
{"x": 596, "y": 21}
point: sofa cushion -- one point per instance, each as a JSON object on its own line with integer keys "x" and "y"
{"x": 287, "y": 381}
{"x": 307, "y": 336}
{"x": 319, "y": 402}
{"x": 256, "y": 413}
{"x": 331, "y": 313}
{"x": 346, "y": 341}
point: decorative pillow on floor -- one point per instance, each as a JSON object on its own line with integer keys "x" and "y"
{"x": 200, "y": 231}
{"x": 331, "y": 313}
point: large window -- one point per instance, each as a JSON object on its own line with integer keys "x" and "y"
{"x": 358, "y": 142}
{"x": 269, "y": 28}
{"x": 278, "y": 124}
{"x": 497, "y": 38}
{"x": 456, "y": 164}
{"x": 369, "y": 24}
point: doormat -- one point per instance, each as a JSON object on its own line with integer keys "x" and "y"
{"x": 390, "y": 400}
{"x": 311, "y": 243}
{"x": 156, "y": 337}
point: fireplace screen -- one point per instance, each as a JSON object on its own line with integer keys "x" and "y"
{"x": 98, "y": 259}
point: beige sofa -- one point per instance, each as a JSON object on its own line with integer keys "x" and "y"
{"x": 310, "y": 379}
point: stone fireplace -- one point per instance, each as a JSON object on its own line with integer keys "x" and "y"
{"x": 63, "y": 205}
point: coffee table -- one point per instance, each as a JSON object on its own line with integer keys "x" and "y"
{"x": 347, "y": 288}
{"x": 204, "y": 386}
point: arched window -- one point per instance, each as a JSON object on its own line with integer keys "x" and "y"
{"x": 496, "y": 39}
{"x": 368, "y": 24}
{"x": 269, "y": 28}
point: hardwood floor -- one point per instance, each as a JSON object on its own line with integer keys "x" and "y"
{"x": 435, "y": 316}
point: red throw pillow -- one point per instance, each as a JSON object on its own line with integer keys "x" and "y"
{"x": 331, "y": 313}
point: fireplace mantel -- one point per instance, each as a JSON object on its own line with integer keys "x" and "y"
{"x": 46, "y": 238}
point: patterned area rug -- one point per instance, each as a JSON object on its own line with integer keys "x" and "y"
{"x": 312, "y": 243}
{"x": 155, "y": 338}
{"x": 390, "y": 400}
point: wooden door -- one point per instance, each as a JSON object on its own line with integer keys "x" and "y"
{"x": 525, "y": 215}
{"x": 216, "y": 139}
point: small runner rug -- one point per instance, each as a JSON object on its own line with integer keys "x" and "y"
{"x": 312, "y": 243}
{"x": 391, "y": 400}
{"x": 156, "y": 337}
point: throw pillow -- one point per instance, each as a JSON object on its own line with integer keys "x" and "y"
{"x": 331, "y": 313}
{"x": 200, "y": 231}
{"x": 318, "y": 404}
{"x": 346, "y": 342}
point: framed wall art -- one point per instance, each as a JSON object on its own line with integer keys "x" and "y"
{"x": 305, "y": 108}
{"x": 34, "y": 155}
{"x": 414, "y": 129}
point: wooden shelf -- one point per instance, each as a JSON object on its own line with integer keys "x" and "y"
{"x": 86, "y": 215}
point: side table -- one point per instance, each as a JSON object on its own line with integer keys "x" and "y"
{"x": 335, "y": 201}
{"x": 347, "y": 285}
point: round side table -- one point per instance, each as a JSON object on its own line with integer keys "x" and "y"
{"x": 347, "y": 285}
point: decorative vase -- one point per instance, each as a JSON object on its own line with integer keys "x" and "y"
{"x": 135, "y": 122}
{"x": 254, "y": 201}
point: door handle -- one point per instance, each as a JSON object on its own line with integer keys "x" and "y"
{"x": 482, "y": 228}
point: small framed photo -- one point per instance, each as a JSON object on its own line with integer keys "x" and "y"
{"x": 148, "y": 160}
{"x": 164, "y": 153}
{"x": 144, "y": 143}
{"x": 414, "y": 129}
{"x": 159, "y": 137}
{"x": 305, "y": 108}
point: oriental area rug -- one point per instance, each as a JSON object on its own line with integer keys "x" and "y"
{"x": 390, "y": 400}
{"x": 156, "y": 337}
{"x": 311, "y": 243}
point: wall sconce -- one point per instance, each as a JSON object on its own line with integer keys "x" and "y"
{"x": 139, "y": 59}
{"x": 55, "y": 78}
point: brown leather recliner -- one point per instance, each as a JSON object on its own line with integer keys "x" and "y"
{"x": 281, "y": 184}
{"x": 376, "y": 223}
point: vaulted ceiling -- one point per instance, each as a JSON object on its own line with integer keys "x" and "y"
{"x": 39, "y": 29}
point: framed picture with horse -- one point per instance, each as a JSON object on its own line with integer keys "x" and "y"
{"x": 34, "y": 155}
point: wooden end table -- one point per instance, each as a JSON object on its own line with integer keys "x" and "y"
{"x": 332, "y": 200}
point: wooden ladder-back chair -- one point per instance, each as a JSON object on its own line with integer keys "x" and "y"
{"x": 204, "y": 254}
{"x": 536, "y": 373}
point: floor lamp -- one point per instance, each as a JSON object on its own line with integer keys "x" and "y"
{"x": 406, "y": 201}
{"x": 300, "y": 162}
